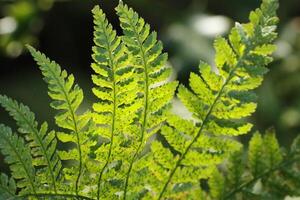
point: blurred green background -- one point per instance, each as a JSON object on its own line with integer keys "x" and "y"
{"x": 63, "y": 30}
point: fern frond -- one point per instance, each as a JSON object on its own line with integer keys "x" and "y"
{"x": 67, "y": 97}
{"x": 41, "y": 142}
{"x": 116, "y": 88}
{"x": 218, "y": 100}
{"x": 155, "y": 92}
{"x": 17, "y": 156}
{"x": 8, "y": 187}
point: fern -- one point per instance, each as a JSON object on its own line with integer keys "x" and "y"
{"x": 154, "y": 93}
{"x": 42, "y": 143}
{"x": 67, "y": 98}
{"x": 116, "y": 88}
{"x": 278, "y": 177}
{"x": 130, "y": 145}
{"x": 218, "y": 101}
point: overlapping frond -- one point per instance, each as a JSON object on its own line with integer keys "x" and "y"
{"x": 42, "y": 143}
{"x": 221, "y": 98}
{"x": 67, "y": 97}
{"x": 277, "y": 178}
{"x": 17, "y": 155}
{"x": 115, "y": 111}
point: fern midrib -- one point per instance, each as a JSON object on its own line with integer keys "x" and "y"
{"x": 219, "y": 95}
{"x": 146, "y": 90}
{"x": 23, "y": 164}
{"x": 271, "y": 170}
{"x": 50, "y": 167}
{"x": 75, "y": 127}
{"x": 112, "y": 64}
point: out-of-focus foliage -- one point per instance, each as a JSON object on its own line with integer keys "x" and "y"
{"x": 20, "y": 24}
{"x": 268, "y": 172}
{"x": 280, "y": 98}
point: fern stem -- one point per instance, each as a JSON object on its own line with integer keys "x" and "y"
{"x": 79, "y": 150}
{"x": 34, "y": 130}
{"x": 75, "y": 128}
{"x": 112, "y": 64}
{"x": 23, "y": 164}
{"x": 146, "y": 89}
{"x": 56, "y": 195}
{"x": 250, "y": 182}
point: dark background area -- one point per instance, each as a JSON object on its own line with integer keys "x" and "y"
{"x": 63, "y": 30}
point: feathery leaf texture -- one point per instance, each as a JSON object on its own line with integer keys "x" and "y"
{"x": 155, "y": 91}
{"x": 41, "y": 142}
{"x": 130, "y": 145}
{"x": 18, "y": 156}
{"x": 116, "y": 88}
{"x": 220, "y": 100}
{"x": 67, "y": 98}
